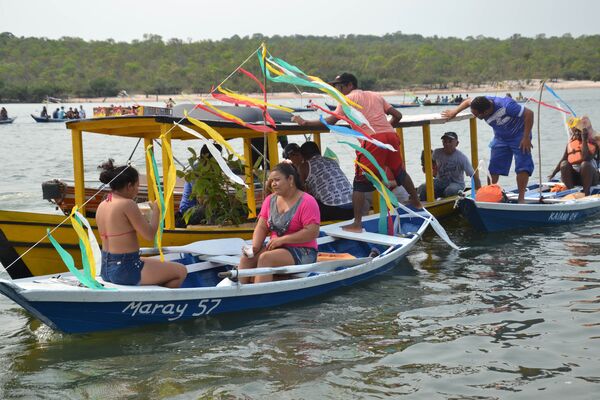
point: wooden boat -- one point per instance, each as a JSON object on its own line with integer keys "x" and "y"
{"x": 7, "y": 120}
{"x": 26, "y": 252}
{"x": 63, "y": 304}
{"x": 551, "y": 208}
{"x": 44, "y": 120}
{"x": 405, "y": 105}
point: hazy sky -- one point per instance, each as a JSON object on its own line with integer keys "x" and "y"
{"x": 125, "y": 20}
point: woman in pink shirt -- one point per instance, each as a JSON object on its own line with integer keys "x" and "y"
{"x": 292, "y": 219}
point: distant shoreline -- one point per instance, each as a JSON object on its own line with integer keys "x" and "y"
{"x": 501, "y": 88}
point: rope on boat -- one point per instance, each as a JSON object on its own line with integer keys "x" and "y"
{"x": 539, "y": 139}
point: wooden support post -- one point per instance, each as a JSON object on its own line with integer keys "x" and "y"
{"x": 474, "y": 153}
{"x": 151, "y": 195}
{"x": 273, "y": 149}
{"x": 317, "y": 140}
{"x": 78, "y": 172}
{"x": 250, "y": 194}
{"x": 400, "y": 133}
{"x": 166, "y": 163}
{"x": 428, "y": 162}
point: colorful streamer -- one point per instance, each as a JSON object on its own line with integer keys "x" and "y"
{"x": 216, "y": 136}
{"x": 553, "y": 93}
{"x": 372, "y": 159}
{"x": 344, "y": 130}
{"x": 232, "y": 118}
{"x": 343, "y": 118}
{"x": 158, "y": 194}
{"x": 216, "y": 154}
{"x": 548, "y": 105}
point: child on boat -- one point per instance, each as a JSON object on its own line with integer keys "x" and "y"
{"x": 119, "y": 222}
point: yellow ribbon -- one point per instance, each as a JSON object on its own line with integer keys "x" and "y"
{"x": 86, "y": 243}
{"x": 383, "y": 192}
{"x": 216, "y": 136}
{"x": 256, "y": 102}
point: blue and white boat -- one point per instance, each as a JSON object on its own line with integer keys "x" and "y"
{"x": 62, "y": 303}
{"x": 549, "y": 208}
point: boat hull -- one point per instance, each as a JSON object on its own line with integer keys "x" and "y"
{"x": 64, "y": 305}
{"x": 50, "y": 120}
{"x": 494, "y": 217}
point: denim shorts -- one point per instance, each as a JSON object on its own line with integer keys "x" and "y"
{"x": 122, "y": 269}
{"x": 303, "y": 255}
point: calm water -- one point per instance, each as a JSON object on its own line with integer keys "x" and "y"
{"x": 514, "y": 316}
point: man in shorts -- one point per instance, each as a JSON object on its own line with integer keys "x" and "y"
{"x": 375, "y": 109}
{"x": 512, "y": 125}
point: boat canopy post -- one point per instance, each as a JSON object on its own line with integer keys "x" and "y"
{"x": 250, "y": 194}
{"x": 400, "y": 134}
{"x": 166, "y": 161}
{"x": 317, "y": 140}
{"x": 273, "y": 150}
{"x": 428, "y": 162}
{"x": 474, "y": 154}
{"x": 148, "y": 142}
{"x": 78, "y": 172}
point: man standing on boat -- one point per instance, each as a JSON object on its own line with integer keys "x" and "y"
{"x": 375, "y": 109}
{"x": 512, "y": 125}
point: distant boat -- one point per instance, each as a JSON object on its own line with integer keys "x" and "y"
{"x": 7, "y": 120}
{"x": 48, "y": 119}
{"x": 404, "y": 105}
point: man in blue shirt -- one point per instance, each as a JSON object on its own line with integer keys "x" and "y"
{"x": 512, "y": 125}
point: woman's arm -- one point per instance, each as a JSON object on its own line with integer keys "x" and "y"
{"x": 306, "y": 234}
{"x": 260, "y": 233}
{"x": 139, "y": 223}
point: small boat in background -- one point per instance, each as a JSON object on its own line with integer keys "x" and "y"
{"x": 551, "y": 208}
{"x": 405, "y": 105}
{"x": 48, "y": 119}
{"x": 7, "y": 120}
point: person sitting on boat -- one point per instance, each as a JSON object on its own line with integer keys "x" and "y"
{"x": 75, "y": 113}
{"x": 512, "y": 125}
{"x": 579, "y": 163}
{"x": 3, "y": 114}
{"x": 44, "y": 113}
{"x": 61, "y": 113}
{"x": 292, "y": 152}
{"x": 326, "y": 182}
{"x": 81, "y": 112}
{"x": 55, "y": 113}
{"x": 291, "y": 217}
{"x": 191, "y": 202}
{"x": 119, "y": 221}
{"x": 451, "y": 167}
{"x": 375, "y": 109}
{"x": 170, "y": 103}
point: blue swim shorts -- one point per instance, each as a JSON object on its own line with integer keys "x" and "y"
{"x": 303, "y": 255}
{"x": 122, "y": 269}
{"x": 502, "y": 154}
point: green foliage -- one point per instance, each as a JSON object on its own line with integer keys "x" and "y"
{"x": 34, "y": 67}
{"x": 224, "y": 202}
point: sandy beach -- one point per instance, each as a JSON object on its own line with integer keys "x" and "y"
{"x": 499, "y": 87}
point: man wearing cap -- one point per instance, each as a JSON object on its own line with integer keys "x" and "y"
{"x": 376, "y": 111}
{"x": 292, "y": 152}
{"x": 512, "y": 125}
{"x": 452, "y": 166}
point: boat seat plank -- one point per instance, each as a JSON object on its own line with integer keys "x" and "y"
{"x": 369, "y": 237}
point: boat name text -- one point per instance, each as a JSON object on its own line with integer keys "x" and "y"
{"x": 174, "y": 311}
{"x": 563, "y": 216}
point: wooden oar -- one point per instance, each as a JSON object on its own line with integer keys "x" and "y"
{"x": 323, "y": 266}
{"x": 212, "y": 247}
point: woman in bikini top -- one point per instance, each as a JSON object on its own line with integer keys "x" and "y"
{"x": 120, "y": 221}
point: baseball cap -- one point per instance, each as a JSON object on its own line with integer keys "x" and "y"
{"x": 451, "y": 135}
{"x": 344, "y": 77}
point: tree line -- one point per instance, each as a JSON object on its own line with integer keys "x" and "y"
{"x": 33, "y": 68}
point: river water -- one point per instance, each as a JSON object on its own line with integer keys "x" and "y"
{"x": 514, "y": 316}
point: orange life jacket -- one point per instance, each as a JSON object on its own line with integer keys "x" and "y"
{"x": 490, "y": 194}
{"x": 574, "y": 154}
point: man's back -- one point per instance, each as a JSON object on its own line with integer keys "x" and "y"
{"x": 374, "y": 109}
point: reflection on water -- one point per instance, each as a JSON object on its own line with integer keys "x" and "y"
{"x": 513, "y": 316}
